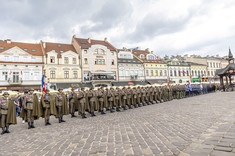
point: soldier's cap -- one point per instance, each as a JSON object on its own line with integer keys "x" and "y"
{"x": 31, "y": 89}
{"x": 60, "y": 89}
{"x": 5, "y": 93}
{"x": 47, "y": 90}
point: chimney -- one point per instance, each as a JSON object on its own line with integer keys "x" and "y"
{"x": 9, "y": 41}
{"x": 105, "y": 39}
{"x": 147, "y": 49}
{"x": 89, "y": 40}
{"x": 44, "y": 45}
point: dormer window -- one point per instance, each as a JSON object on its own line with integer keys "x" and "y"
{"x": 150, "y": 57}
{"x": 66, "y": 60}
{"x": 2, "y": 47}
{"x": 61, "y": 51}
{"x": 25, "y": 49}
{"x": 102, "y": 52}
{"x": 52, "y": 59}
{"x": 59, "y": 45}
{"x": 33, "y": 50}
{"x": 142, "y": 56}
{"x": 112, "y": 53}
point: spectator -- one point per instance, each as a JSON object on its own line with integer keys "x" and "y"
{"x": 17, "y": 105}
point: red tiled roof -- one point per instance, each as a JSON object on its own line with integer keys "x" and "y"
{"x": 59, "y": 47}
{"x": 85, "y": 45}
{"x": 145, "y": 53}
{"x": 33, "y": 49}
{"x": 21, "y": 62}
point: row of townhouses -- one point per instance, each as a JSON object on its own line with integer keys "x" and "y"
{"x": 88, "y": 62}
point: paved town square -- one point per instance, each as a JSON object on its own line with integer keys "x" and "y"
{"x": 199, "y": 125}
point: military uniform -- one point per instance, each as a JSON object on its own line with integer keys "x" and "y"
{"x": 31, "y": 109}
{"x": 129, "y": 98}
{"x": 118, "y": 99}
{"x": 138, "y": 94}
{"x": 92, "y": 101}
{"x": 143, "y": 100}
{"x": 7, "y": 113}
{"x": 72, "y": 103}
{"x": 111, "y": 99}
{"x": 82, "y": 102}
{"x": 124, "y": 98}
{"x": 61, "y": 105}
{"x": 101, "y": 99}
{"x": 134, "y": 93}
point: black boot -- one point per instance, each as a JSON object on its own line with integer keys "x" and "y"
{"x": 111, "y": 110}
{"x": 139, "y": 105}
{"x": 130, "y": 107}
{"x": 93, "y": 114}
{"x": 59, "y": 120}
{"x": 124, "y": 108}
{"x": 72, "y": 115}
{"x": 62, "y": 119}
{"x": 7, "y": 130}
{"x": 3, "y": 131}
{"x": 32, "y": 125}
{"x": 136, "y": 106}
{"x": 48, "y": 123}
{"x": 29, "y": 126}
{"x": 118, "y": 109}
{"x": 102, "y": 112}
{"x": 83, "y": 116}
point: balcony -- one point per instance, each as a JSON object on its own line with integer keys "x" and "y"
{"x": 15, "y": 81}
{"x": 131, "y": 78}
{"x": 110, "y": 78}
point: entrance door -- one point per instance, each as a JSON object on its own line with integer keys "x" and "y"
{"x": 16, "y": 77}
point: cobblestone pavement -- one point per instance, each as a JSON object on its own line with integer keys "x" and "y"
{"x": 200, "y": 125}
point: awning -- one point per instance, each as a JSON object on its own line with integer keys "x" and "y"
{"x": 102, "y": 72}
{"x": 153, "y": 81}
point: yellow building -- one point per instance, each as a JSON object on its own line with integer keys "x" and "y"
{"x": 198, "y": 72}
{"x": 61, "y": 65}
{"x": 155, "y": 68}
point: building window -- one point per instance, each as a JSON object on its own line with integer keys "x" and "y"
{"x": 212, "y": 73}
{"x": 6, "y": 58}
{"x": 150, "y": 57}
{"x": 156, "y": 72}
{"x": 37, "y": 76}
{"x": 192, "y": 73}
{"x": 147, "y": 73}
{"x": 121, "y": 56}
{"x": 183, "y": 73}
{"x": 141, "y": 73}
{"x": 85, "y": 51}
{"x": 75, "y": 74}
{"x": 66, "y": 60}
{"x": 26, "y": 76}
{"x": 52, "y": 59}
{"x": 142, "y": 56}
{"x": 127, "y": 73}
{"x": 112, "y": 62}
{"x": 99, "y": 61}
{"x": 198, "y": 73}
{"x": 16, "y": 58}
{"x": 151, "y": 72}
{"x": 74, "y": 60}
{"x": 96, "y": 51}
{"x": 208, "y": 73}
{"x": 165, "y": 73}
{"x": 210, "y": 64}
{"x": 161, "y": 73}
{"x": 52, "y": 75}
{"x": 175, "y": 73}
{"x": 66, "y": 74}
{"x": 102, "y": 52}
{"x": 214, "y": 64}
{"x": 25, "y": 59}
{"x": 33, "y": 59}
{"x": 171, "y": 73}
{"x": 4, "y": 76}
{"x": 85, "y": 61}
{"x": 121, "y": 73}
{"x": 112, "y": 53}
{"x": 179, "y": 73}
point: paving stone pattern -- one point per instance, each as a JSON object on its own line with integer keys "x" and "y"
{"x": 197, "y": 126}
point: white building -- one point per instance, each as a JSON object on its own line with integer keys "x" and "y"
{"x": 130, "y": 68}
{"x": 21, "y": 65}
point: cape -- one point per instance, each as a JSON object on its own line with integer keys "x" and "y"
{"x": 11, "y": 114}
{"x": 37, "y": 109}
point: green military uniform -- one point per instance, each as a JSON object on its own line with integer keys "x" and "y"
{"x": 31, "y": 110}
{"x": 118, "y": 99}
{"x": 73, "y": 103}
{"x": 49, "y": 107}
{"x": 7, "y": 113}
{"x": 82, "y": 102}
{"x": 143, "y": 97}
{"x": 129, "y": 97}
{"x": 61, "y": 105}
{"x": 111, "y": 99}
{"x": 124, "y": 98}
{"x": 102, "y": 100}
{"x": 93, "y": 102}
{"x": 138, "y": 94}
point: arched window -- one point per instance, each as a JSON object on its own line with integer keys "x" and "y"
{"x": 192, "y": 73}
{"x": 96, "y": 51}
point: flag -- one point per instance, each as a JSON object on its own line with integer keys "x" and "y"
{"x": 43, "y": 83}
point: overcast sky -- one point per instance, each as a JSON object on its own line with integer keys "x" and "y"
{"x": 202, "y": 27}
